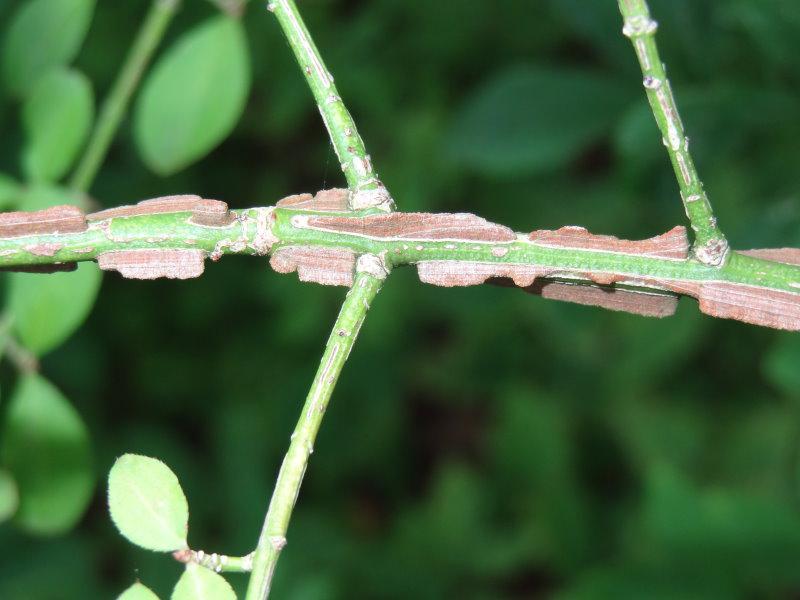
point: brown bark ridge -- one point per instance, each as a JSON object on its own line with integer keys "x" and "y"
{"x": 327, "y": 266}
{"x": 50, "y": 221}
{"x": 637, "y": 303}
{"x": 211, "y": 213}
{"x": 750, "y": 304}
{"x": 154, "y": 263}
{"x": 672, "y": 245}
{"x": 457, "y": 227}
{"x": 335, "y": 200}
{"x": 789, "y": 256}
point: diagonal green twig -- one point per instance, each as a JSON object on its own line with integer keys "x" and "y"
{"x": 710, "y": 245}
{"x": 116, "y": 104}
{"x": 367, "y": 189}
{"x": 370, "y": 274}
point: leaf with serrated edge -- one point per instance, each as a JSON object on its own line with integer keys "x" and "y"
{"x": 199, "y": 583}
{"x": 137, "y": 592}
{"x": 147, "y": 503}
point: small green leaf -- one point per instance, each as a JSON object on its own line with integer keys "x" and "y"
{"x": 10, "y": 191}
{"x": 9, "y": 496}
{"x": 47, "y": 309}
{"x": 530, "y": 119}
{"x": 194, "y": 96}
{"x": 199, "y": 583}
{"x": 137, "y": 592}
{"x": 147, "y": 503}
{"x": 45, "y": 444}
{"x": 43, "y": 34}
{"x": 57, "y": 115}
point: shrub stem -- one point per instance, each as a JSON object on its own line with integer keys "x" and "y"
{"x": 370, "y": 274}
{"x": 710, "y": 246}
{"x": 367, "y": 191}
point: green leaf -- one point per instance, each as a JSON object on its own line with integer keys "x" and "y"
{"x": 42, "y": 35}
{"x": 38, "y": 196}
{"x": 147, "y": 503}
{"x": 782, "y": 366}
{"x": 199, "y": 583}
{"x": 530, "y": 119}
{"x": 194, "y": 96}
{"x": 58, "y": 116}
{"x": 9, "y": 496}
{"x": 45, "y": 444}
{"x": 137, "y": 592}
{"x": 47, "y": 309}
{"x": 10, "y": 191}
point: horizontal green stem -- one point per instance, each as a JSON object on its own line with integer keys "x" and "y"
{"x": 242, "y": 236}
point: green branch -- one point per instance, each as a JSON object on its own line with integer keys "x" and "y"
{"x": 367, "y": 189}
{"x": 116, "y": 104}
{"x": 710, "y": 246}
{"x": 447, "y": 250}
{"x": 370, "y": 274}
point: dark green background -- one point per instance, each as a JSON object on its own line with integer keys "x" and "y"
{"x": 482, "y": 443}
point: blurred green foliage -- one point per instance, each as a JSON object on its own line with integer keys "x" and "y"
{"x": 482, "y": 443}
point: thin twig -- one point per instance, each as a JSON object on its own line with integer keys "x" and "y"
{"x": 367, "y": 189}
{"x": 116, "y": 104}
{"x": 219, "y": 563}
{"x": 710, "y": 245}
{"x": 370, "y": 274}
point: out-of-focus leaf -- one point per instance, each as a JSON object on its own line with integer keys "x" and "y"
{"x": 137, "y": 592}
{"x": 532, "y": 452}
{"x": 721, "y": 534}
{"x": 57, "y": 115}
{"x": 199, "y": 583}
{"x": 47, "y": 309}
{"x": 10, "y": 191}
{"x": 782, "y": 365}
{"x": 38, "y": 196}
{"x": 43, "y": 34}
{"x": 530, "y": 119}
{"x": 592, "y": 21}
{"x": 9, "y": 496}
{"x": 194, "y": 96}
{"x": 147, "y": 503}
{"x": 45, "y": 444}
{"x": 631, "y": 581}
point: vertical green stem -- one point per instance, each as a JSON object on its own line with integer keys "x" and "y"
{"x": 710, "y": 245}
{"x": 115, "y": 106}
{"x": 370, "y": 274}
{"x": 367, "y": 189}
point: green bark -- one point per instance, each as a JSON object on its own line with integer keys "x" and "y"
{"x": 367, "y": 283}
{"x": 710, "y": 247}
